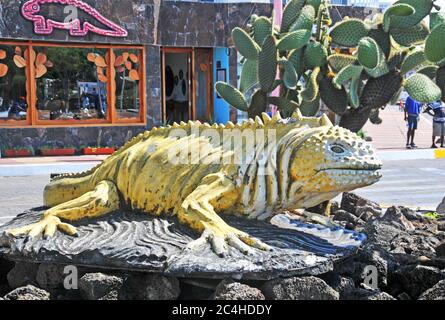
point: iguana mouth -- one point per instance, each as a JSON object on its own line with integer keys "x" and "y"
{"x": 364, "y": 169}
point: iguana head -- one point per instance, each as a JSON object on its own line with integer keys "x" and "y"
{"x": 30, "y": 8}
{"x": 329, "y": 160}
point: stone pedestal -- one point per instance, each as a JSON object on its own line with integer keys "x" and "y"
{"x": 139, "y": 242}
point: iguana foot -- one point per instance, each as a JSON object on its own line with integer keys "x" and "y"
{"x": 46, "y": 227}
{"x": 102, "y": 200}
{"x": 221, "y": 238}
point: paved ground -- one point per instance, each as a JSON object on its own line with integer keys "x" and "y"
{"x": 18, "y": 194}
{"x": 415, "y": 183}
{"x": 391, "y": 134}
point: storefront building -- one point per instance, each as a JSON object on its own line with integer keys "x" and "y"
{"x": 97, "y": 72}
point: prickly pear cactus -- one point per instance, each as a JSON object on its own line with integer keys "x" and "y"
{"x": 355, "y": 67}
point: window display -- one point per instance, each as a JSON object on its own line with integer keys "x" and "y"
{"x": 13, "y": 102}
{"x": 48, "y": 84}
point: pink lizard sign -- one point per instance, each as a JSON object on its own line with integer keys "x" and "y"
{"x": 42, "y": 25}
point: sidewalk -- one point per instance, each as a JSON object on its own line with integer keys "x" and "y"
{"x": 389, "y": 138}
{"x": 391, "y": 134}
{"x": 10, "y": 167}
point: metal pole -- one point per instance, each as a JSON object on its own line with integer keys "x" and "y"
{"x": 278, "y": 11}
{"x": 278, "y": 8}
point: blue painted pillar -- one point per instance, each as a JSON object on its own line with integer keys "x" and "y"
{"x": 220, "y": 63}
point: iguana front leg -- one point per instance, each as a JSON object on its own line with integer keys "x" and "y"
{"x": 102, "y": 200}
{"x": 216, "y": 191}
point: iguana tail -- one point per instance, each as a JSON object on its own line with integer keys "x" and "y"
{"x": 62, "y": 190}
{"x": 67, "y": 187}
{"x": 89, "y": 172}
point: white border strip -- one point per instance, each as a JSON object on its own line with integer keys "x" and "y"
{"x": 20, "y": 170}
{"x": 423, "y": 154}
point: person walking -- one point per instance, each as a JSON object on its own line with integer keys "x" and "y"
{"x": 85, "y": 101}
{"x": 413, "y": 109}
{"x": 437, "y": 111}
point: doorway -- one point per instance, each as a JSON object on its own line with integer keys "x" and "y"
{"x": 187, "y": 84}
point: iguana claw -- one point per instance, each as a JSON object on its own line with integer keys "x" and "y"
{"x": 221, "y": 241}
{"x": 46, "y": 227}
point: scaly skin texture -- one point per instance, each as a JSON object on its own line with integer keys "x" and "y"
{"x": 310, "y": 162}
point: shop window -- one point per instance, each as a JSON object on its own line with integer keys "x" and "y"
{"x": 13, "y": 103}
{"x": 51, "y": 84}
{"x": 177, "y": 80}
{"x": 127, "y": 83}
{"x": 71, "y": 84}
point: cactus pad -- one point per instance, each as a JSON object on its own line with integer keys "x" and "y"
{"x": 422, "y": 9}
{"x": 396, "y": 60}
{"x": 413, "y": 60}
{"x": 315, "y": 55}
{"x": 336, "y": 100}
{"x": 381, "y": 69}
{"x": 305, "y": 20}
{"x": 290, "y": 77}
{"x": 231, "y": 95}
{"x": 396, "y": 98}
{"x": 369, "y": 53}
{"x": 310, "y": 108}
{"x": 290, "y": 13}
{"x": 412, "y": 36}
{"x": 374, "y": 117}
{"x": 314, "y": 3}
{"x": 312, "y": 88}
{"x": 379, "y": 91}
{"x": 296, "y": 57}
{"x": 258, "y": 105}
{"x": 382, "y": 38}
{"x": 348, "y": 73}
{"x": 429, "y": 71}
{"x": 349, "y": 32}
{"x": 287, "y": 107}
{"x": 355, "y": 119}
{"x": 340, "y": 61}
{"x": 249, "y": 75}
{"x": 262, "y": 27}
{"x": 435, "y": 44}
{"x": 422, "y": 88}
{"x": 440, "y": 80}
{"x": 397, "y": 10}
{"x": 267, "y": 64}
{"x": 436, "y": 18}
{"x": 294, "y": 40}
{"x": 245, "y": 45}
{"x": 354, "y": 90}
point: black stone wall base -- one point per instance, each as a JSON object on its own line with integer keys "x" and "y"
{"x": 77, "y": 137}
{"x": 157, "y": 245}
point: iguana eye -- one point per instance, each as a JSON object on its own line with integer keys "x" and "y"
{"x": 337, "y": 149}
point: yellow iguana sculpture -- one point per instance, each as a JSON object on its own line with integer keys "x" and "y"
{"x": 311, "y": 161}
